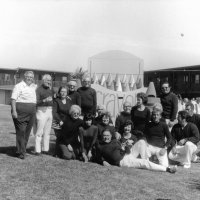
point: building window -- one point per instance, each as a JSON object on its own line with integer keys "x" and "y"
{"x": 64, "y": 79}
{"x": 185, "y": 78}
{"x": 7, "y": 77}
{"x": 197, "y": 79}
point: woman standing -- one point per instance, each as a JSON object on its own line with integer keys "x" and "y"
{"x": 61, "y": 108}
{"x": 140, "y": 115}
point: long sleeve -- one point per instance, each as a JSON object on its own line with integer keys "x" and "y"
{"x": 174, "y": 108}
{"x": 168, "y": 136}
{"x": 56, "y": 111}
{"x": 81, "y": 139}
{"x": 194, "y": 134}
{"x": 95, "y": 102}
{"x": 94, "y": 138}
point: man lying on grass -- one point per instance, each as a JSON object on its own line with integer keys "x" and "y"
{"x": 110, "y": 152}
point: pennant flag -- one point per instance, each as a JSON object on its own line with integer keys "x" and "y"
{"x": 110, "y": 83}
{"x": 139, "y": 83}
{"x": 102, "y": 80}
{"x": 95, "y": 79}
{"x": 118, "y": 86}
{"x": 131, "y": 81}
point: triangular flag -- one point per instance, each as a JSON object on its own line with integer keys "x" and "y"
{"x": 139, "y": 83}
{"x": 131, "y": 81}
{"x": 124, "y": 79}
{"x": 95, "y": 79}
{"x": 118, "y": 86}
{"x": 102, "y": 80}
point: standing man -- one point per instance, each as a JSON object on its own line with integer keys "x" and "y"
{"x": 88, "y": 97}
{"x": 186, "y": 135}
{"x": 169, "y": 103}
{"x": 23, "y": 109}
{"x": 73, "y": 94}
{"x": 44, "y": 115}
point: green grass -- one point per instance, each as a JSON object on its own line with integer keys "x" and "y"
{"x": 49, "y": 178}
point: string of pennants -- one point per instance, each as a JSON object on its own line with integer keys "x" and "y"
{"x": 120, "y": 83}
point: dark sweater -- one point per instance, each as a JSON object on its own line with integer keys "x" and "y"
{"x": 120, "y": 122}
{"x": 75, "y": 98}
{"x": 170, "y": 105}
{"x": 155, "y": 134}
{"x": 110, "y": 152}
{"x": 140, "y": 118}
{"x": 88, "y": 137}
{"x": 124, "y": 141}
{"x": 195, "y": 119}
{"x": 42, "y": 93}
{"x": 70, "y": 131}
{"x": 88, "y": 100}
{"x": 189, "y": 132}
{"x": 60, "y": 110}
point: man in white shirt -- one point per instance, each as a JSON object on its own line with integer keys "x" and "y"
{"x": 23, "y": 109}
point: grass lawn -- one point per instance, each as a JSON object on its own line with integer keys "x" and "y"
{"x": 49, "y": 178}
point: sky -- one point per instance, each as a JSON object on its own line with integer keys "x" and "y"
{"x": 63, "y": 34}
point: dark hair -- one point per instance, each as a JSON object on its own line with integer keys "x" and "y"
{"x": 60, "y": 88}
{"x": 165, "y": 82}
{"x": 106, "y": 114}
{"x": 142, "y": 96}
{"x": 128, "y": 122}
{"x": 189, "y": 104}
{"x": 184, "y": 114}
{"x": 88, "y": 116}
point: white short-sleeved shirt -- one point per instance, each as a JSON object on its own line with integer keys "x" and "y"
{"x": 24, "y": 93}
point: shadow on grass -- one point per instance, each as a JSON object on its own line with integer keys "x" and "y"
{"x": 195, "y": 184}
{"x": 9, "y": 150}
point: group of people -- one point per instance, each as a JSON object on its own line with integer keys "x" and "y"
{"x": 138, "y": 138}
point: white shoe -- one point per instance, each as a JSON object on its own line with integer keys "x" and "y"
{"x": 187, "y": 166}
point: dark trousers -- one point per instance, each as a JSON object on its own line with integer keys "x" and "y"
{"x": 23, "y": 125}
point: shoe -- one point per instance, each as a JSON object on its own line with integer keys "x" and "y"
{"x": 45, "y": 152}
{"x": 21, "y": 156}
{"x": 187, "y": 166}
{"x": 172, "y": 169}
{"x": 195, "y": 158}
{"x": 37, "y": 154}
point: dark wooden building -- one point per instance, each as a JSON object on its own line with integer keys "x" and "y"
{"x": 183, "y": 80}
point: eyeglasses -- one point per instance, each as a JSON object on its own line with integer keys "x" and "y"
{"x": 75, "y": 113}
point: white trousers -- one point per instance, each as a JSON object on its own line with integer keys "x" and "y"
{"x": 44, "y": 122}
{"x": 163, "y": 159}
{"x": 140, "y": 148}
{"x": 130, "y": 161}
{"x": 184, "y": 153}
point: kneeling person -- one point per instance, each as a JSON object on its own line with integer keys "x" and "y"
{"x": 110, "y": 152}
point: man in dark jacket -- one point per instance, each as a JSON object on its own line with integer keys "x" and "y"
{"x": 185, "y": 138}
{"x": 169, "y": 103}
{"x": 88, "y": 97}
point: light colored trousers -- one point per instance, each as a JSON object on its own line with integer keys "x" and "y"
{"x": 130, "y": 161}
{"x": 163, "y": 159}
{"x": 184, "y": 153}
{"x": 44, "y": 122}
{"x": 140, "y": 148}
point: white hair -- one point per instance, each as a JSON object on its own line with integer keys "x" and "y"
{"x": 46, "y": 76}
{"x": 74, "y": 108}
{"x": 28, "y": 72}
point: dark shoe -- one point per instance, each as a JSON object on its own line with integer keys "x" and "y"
{"x": 37, "y": 154}
{"x": 21, "y": 156}
{"x": 45, "y": 152}
{"x": 172, "y": 169}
